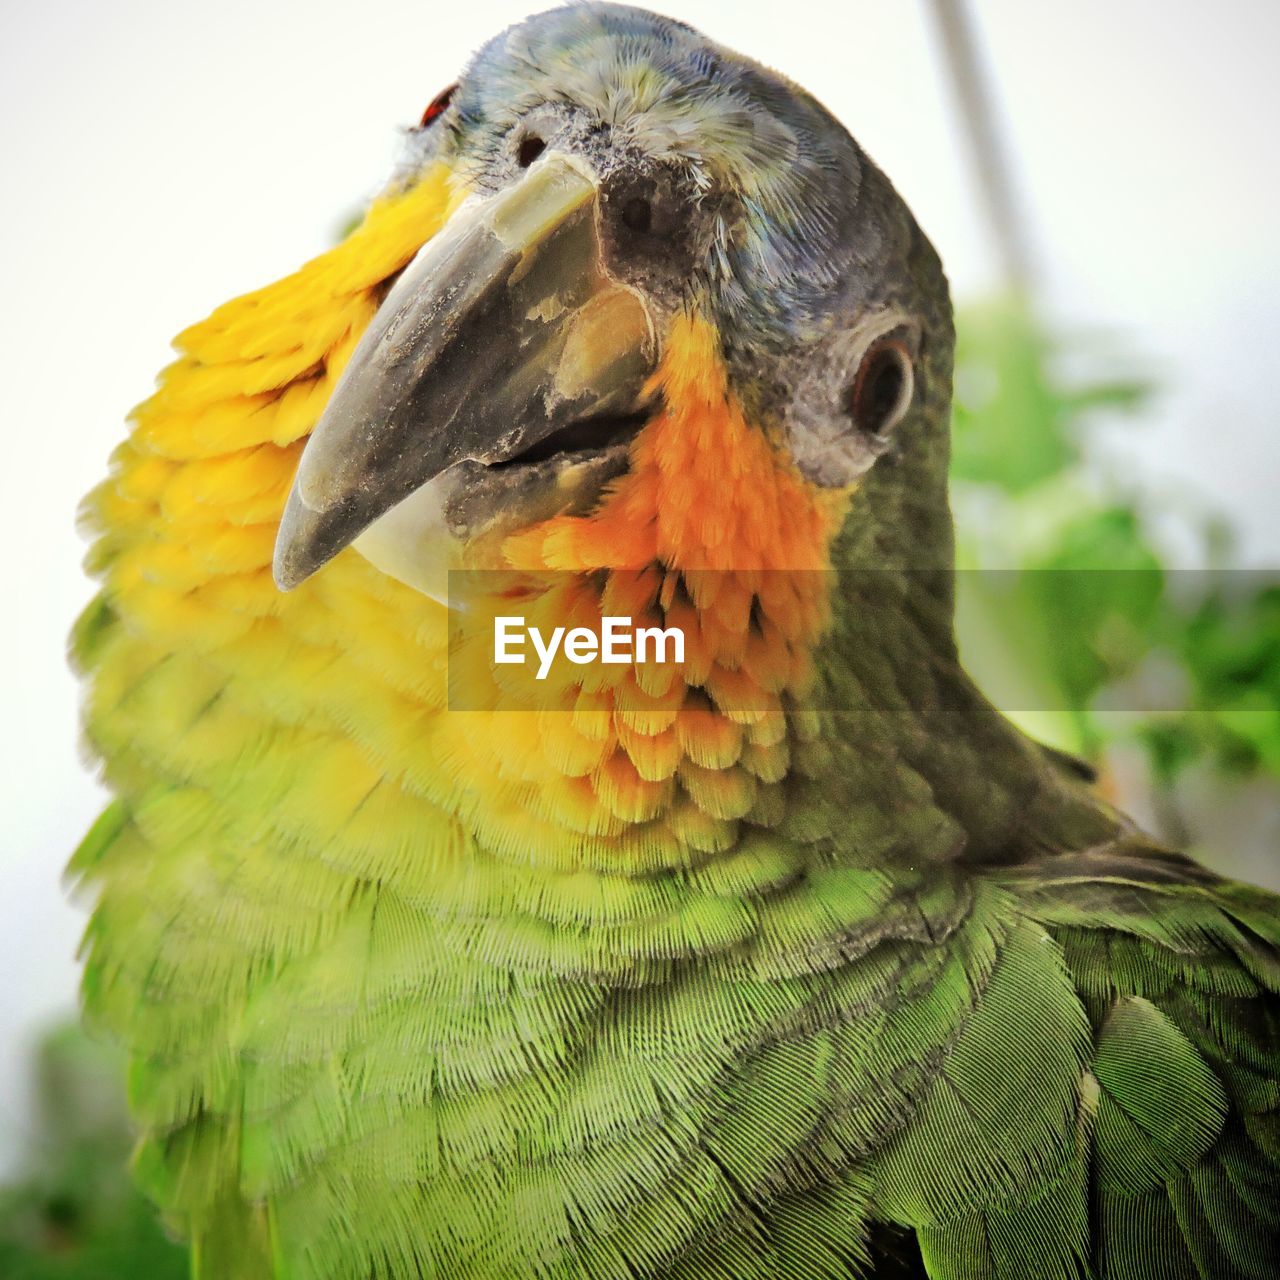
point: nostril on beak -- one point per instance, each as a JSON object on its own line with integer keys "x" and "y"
{"x": 637, "y": 214}
{"x": 530, "y": 149}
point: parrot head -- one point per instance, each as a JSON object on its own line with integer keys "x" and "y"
{"x": 673, "y": 315}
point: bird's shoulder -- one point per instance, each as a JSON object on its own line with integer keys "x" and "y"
{"x": 1178, "y": 971}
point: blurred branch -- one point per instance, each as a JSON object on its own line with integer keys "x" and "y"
{"x": 969, "y": 83}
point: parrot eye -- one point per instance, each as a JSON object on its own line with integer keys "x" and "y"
{"x": 530, "y": 149}
{"x": 437, "y": 106}
{"x": 882, "y": 390}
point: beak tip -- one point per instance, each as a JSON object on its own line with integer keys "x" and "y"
{"x": 500, "y": 331}
{"x": 294, "y": 558}
{"x": 285, "y": 573}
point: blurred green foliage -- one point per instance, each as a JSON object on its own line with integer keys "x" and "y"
{"x": 1094, "y": 617}
{"x": 73, "y": 1214}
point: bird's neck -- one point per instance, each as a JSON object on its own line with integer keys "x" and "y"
{"x": 903, "y": 714}
{"x": 910, "y": 741}
{"x": 351, "y": 669}
{"x": 824, "y": 702}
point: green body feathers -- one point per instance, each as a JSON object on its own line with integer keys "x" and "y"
{"x": 1061, "y": 1067}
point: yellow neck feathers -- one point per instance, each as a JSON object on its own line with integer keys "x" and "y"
{"x": 626, "y": 771}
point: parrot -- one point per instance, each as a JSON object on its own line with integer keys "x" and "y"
{"x": 795, "y": 958}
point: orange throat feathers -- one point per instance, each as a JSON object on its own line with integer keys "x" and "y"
{"x": 635, "y": 766}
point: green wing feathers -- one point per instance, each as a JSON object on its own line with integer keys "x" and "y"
{"x": 1180, "y": 975}
{"x": 1067, "y": 1070}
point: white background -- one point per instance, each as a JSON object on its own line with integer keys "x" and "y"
{"x": 159, "y": 157}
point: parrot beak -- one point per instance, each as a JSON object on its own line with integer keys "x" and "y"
{"x": 494, "y": 384}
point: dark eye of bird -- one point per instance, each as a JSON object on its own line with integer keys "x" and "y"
{"x": 530, "y": 149}
{"x": 437, "y": 106}
{"x": 882, "y": 390}
{"x": 637, "y": 214}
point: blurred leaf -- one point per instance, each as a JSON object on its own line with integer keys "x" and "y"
{"x": 1016, "y": 424}
{"x": 1096, "y": 594}
{"x": 1095, "y": 605}
{"x": 73, "y": 1214}
{"x": 1011, "y": 426}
